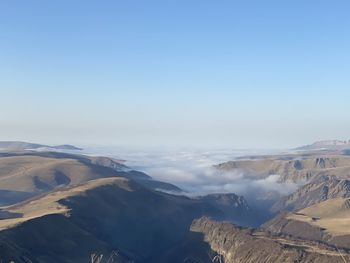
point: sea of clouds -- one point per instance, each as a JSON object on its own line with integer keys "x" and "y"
{"x": 193, "y": 170}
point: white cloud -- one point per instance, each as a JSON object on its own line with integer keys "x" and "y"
{"x": 193, "y": 171}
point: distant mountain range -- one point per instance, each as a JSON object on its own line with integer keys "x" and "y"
{"x": 326, "y": 144}
{"x": 19, "y": 146}
{"x": 291, "y": 168}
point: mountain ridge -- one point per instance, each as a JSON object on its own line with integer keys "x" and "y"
{"x": 326, "y": 144}
{"x": 20, "y": 145}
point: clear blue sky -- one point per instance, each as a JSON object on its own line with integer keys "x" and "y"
{"x": 211, "y": 73}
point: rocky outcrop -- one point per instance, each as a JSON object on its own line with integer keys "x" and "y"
{"x": 234, "y": 208}
{"x": 239, "y": 245}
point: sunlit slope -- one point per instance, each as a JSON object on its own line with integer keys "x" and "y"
{"x": 327, "y": 221}
{"x": 36, "y": 173}
{"x": 28, "y": 174}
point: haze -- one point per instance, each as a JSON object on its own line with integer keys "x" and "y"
{"x": 231, "y": 73}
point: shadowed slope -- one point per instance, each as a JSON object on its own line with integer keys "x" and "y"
{"x": 107, "y": 214}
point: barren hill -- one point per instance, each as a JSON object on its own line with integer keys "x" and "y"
{"x": 28, "y": 174}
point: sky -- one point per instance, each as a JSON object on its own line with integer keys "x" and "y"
{"x": 235, "y": 74}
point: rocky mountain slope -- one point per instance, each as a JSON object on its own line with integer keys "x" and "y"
{"x": 236, "y": 245}
{"x": 318, "y": 190}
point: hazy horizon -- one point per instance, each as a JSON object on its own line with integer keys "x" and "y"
{"x": 190, "y": 74}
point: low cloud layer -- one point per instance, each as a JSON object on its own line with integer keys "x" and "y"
{"x": 193, "y": 171}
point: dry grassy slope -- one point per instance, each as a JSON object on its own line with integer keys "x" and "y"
{"x": 26, "y": 174}
{"x": 292, "y": 168}
{"x": 102, "y": 215}
{"x": 36, "y": 173}
{"x": 238, "y": 245}
{"x": 328, "y": 221}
